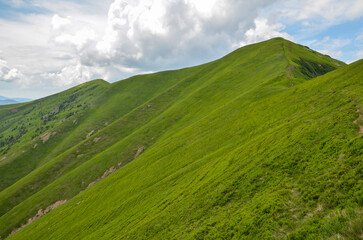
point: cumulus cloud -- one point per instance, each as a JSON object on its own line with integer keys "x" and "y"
{"x": 8, "y": 74}
{"x": 165, "y": 33}
{"x": 71, "y": 32}
{"x": 73, "y": 74}
{"x": 60, "y": 22}
{"x": 151, "y": 35}
{"x": 77, "y": 38}
{"x": 263, "y": 31}
{"x": 71, "y": 42}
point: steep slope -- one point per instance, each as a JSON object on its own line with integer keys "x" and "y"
{"x": 242, "y": 176}
{"x": 121, "y": 99}
{"x": 30, "y": 131}
{"x": 204, "y": 135}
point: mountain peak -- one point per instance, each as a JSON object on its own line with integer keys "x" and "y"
{"x": 294, "y": 62}
{"x": 228, "y": 149}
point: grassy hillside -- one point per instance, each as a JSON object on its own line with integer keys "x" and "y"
{"x": 30, "y": 132}
{"x": 121, "y": 99}
{"x": 253, "y": 146}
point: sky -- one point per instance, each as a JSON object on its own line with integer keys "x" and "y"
{"x": 48, "y": 46}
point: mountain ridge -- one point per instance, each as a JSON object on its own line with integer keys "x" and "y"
{"x": 181, "y": 109}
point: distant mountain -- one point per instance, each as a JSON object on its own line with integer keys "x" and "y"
{"x": 22, "y": 100}
{"x": 6, "y": 100}
{"x": 264, "y": 143}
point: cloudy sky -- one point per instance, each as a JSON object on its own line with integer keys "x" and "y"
{"x": 47, "y": 46}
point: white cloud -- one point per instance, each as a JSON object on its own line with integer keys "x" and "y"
{"x": 164, "y": 33}
{"x": 59, "y": 22}
{"x": 67, "y": 31}
{"x": 205, "y": 7}
{"x": 315, "y": 15}
{"x": 8, "y": 74}
{"x": 71, "y": 46}
{"x": 324, "y": 41}
{"x": 331, "y": 47}
{"x": 263, "y": 31}
{"x": 17, "y": 3}
{"x": 143, "y": 36}
{"x": 334, "y": 54}
{"x": 332, "y": 10}
{"x": 75, "y": 41}
{"x": 37, "y": 44}
{"x": 73, "y": 74}
{"x": 25, "y": 44}
{"x": 359, "y": 54}
{"x": 360, "y": 36}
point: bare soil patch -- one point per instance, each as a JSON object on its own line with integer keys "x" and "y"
{"x": 39, "y": 214}
{"x": 105, "y": 174}
{"x": 90, "y": 133}
{"x": 360, "y": 132}
{"x": 45, "y": 137}
{"x": 139, "y": 151}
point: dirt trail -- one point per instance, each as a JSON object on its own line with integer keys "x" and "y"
{"x": 114, "y": 168}
{"x": 139, "y": 151}
{"x": 90, "y": 133}
{"x": 39, "y": 214}
{"x": 45, "y": 137}
{"x": 105, "y": 174}
{"x": 60, "y": 202}
{"x": 356, "y": 122}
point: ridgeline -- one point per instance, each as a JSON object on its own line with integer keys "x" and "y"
{"x": 264, "y": 143}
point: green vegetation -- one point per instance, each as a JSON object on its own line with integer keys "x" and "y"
{"x": 255, "y": 145}
{"x": 25, "y": 127}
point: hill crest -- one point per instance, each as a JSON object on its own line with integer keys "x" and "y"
{"x": 236, "y": 142}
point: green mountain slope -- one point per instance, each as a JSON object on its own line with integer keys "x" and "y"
{"x": 25, "y": 128}
{"x": 117, "y": 103}
{"x": 248, "y": 146}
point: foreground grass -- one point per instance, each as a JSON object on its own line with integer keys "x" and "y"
{"x": 245, "y": 147}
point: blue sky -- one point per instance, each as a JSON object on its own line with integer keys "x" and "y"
{"x": 49, "y": 46}
{"x": 342, "y": 41}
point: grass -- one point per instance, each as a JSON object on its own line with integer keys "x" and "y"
{"x": 23, "y": 125}
{"x": 246, "y": 147}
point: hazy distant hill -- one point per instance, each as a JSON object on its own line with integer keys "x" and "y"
{"x": 264, "y": 143}
{"x": 5, "y": 100}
